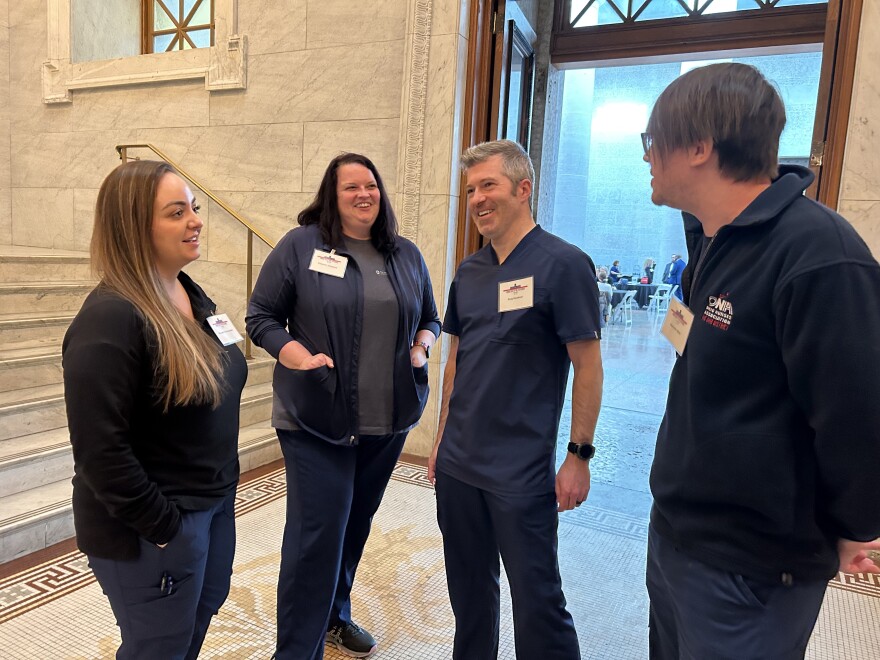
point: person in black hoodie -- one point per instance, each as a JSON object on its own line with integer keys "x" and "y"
{"x": 152, "y": 393}
{"x": 345, "y": 304}
{"x": 764, "y": 477}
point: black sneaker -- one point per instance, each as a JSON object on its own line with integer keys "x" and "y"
{"x": 351, "y": 639}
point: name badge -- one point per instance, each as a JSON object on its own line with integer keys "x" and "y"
{"x": 516, "y": 294}
{"x": 329, "y": 263}
{"x": 224, "y": 329}
{"x": 677, "y": 324}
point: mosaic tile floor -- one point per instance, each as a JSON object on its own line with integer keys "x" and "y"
{"x": 55, "y": 610}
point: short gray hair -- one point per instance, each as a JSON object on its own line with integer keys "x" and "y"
{"x": 515, "y": 162}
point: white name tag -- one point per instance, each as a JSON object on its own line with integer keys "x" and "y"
{"x": 677, "y": 324}
{"x": 516, "y": 294}
{"x": 223, "y": 328}
{"x": 329, "y": 263}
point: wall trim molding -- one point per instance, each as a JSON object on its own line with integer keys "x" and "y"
{"x": 222, "y": 66}
{"x": 412, "y": 115}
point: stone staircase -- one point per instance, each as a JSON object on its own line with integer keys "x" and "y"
{"x": 40, "y": 292}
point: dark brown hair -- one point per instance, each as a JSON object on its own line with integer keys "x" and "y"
{"x": 733, "y": 105}
{"x": 324, "y": 209}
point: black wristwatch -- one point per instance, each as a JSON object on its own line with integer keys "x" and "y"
{"x": 583, "y": 451}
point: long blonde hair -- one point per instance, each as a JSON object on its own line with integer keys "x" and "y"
{"x": 189, "y": 363}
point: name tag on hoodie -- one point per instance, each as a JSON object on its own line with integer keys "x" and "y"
{"x": 329, "y": 263}
{"x": 677, "y": 324}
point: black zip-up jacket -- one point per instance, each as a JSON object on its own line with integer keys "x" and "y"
{"x": 135, "y": 465}
{"x": 325, "y": 314}
{"x": 768, "y": 451}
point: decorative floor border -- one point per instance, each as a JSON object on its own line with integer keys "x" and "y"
{"x": 53, "y": 579}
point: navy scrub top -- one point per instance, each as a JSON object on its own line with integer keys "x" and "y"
{"x": 512, "y": 367}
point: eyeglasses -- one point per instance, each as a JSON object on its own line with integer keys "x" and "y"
{"x": 647, "y": 142}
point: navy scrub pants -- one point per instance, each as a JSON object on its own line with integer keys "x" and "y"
{"x": 332, "y": 493}
{"x": 196, "y": 568}
{"x": 478, "y": 525}
{"x": 699, "y": 612}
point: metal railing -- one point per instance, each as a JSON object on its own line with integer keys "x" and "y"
{"x": 122, "y": 150}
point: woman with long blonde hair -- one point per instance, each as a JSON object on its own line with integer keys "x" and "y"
{"x": 153, "y": 386}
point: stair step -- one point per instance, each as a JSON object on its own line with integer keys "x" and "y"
{"x": 34, "y": 460}
{"x": 36, "y": 518}
{"x": 45, "y": 267}
{"x": 27, "y": 329}
{"x": 43, "y": 297}
{"x": 23, "y": 367}
{"x": 31, "y": 410}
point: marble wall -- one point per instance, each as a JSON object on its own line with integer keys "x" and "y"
{"x": 5, "y": 168}
{"x": 315, "y": 87}
{"x": 860, "y": 185}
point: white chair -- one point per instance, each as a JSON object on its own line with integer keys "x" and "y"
{"x": 623, "y": 310}
{"x": 659, "y": 300}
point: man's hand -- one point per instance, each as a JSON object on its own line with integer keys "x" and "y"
{"x": 572, "y": 483}
{"x": 432, "y": 463}
{"x": 854, "y": 556}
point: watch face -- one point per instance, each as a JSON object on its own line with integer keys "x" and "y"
{"x": 586, "y": 451}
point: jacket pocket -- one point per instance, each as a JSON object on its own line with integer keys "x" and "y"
{"x": 319, "y": 405}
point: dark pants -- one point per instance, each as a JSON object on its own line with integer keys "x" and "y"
{"x": 198, "y": 560}
{"x": 702, "y": 613}
{"x": 332, "y": 493}
{"x": 478, "y": 525}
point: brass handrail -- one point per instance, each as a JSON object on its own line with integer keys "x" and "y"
{"x": 122, "y": 150}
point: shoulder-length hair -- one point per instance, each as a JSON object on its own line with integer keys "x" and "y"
{"x": 324, "y": 209}
{"x": 189, "y": 364}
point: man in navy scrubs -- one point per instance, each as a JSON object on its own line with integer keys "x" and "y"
{"x": 765, "y": 473}
{"x": 521, "y": 311}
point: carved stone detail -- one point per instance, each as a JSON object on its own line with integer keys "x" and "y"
{"x": 412, "y": 115}
{"x": 228, "y": 66}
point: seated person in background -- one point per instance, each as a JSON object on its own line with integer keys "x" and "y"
{"x": 614, "y": 273}
{"x": 648, "y": 270}
{"x": 675, "y": 268}
{"x": 606, "y": 293}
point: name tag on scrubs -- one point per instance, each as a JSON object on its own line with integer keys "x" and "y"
{"x": 329, "y": 263}
{"x": 516, "y": 294}
{"x": 223, "y": 328}
{"x": 677, "y": 324}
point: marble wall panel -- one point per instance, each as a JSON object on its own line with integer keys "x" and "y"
{"x": 118, "y": 23}
{"x": 865, "y": 217}
{"x": 377, "y": 139}
{"x": 226, "y": 237}
{"x": 338, "y": 22}
{"x": 449, "y": 17}
{"x": 67, "y": 160}
{"x": 4, "y": 74}
{"x": 441, "y": 148}
{"x": 43, "y": 217}
{"x": 84, "y": 200}
{"x": 178, "y": 103}
{"x": 4, "y": 13}
{"x": 433, "y": 241}
{"x": 861, "y": 168}
{"x": 28, "y": 50}
{"x": 274, "y": 214}
{"x": 343, "y": 83}
{"x": 5, "y": 216}
{"x": 273, "y": 27}
{"x": 252, "y": 157}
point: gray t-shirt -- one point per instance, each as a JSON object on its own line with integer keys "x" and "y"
{"x": 377, "y": 342}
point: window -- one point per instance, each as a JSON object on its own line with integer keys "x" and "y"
{"x": 177, "y": 25}
{"x": 583, "y": 13}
